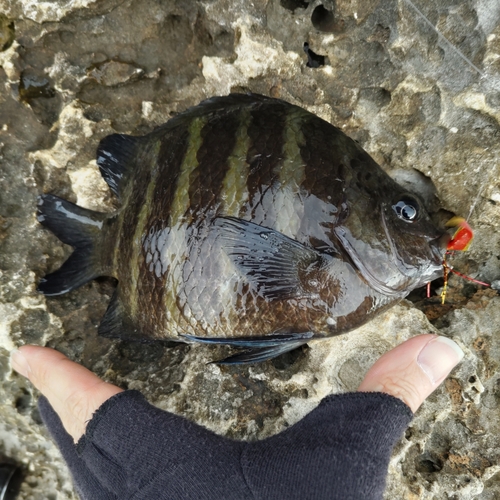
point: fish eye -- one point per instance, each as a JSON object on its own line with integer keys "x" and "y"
{"x": 406, "y": 209}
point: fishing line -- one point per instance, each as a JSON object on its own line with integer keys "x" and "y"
{"x": 495, "y": 83}
{"x": 447, "y": 269}
{"x": 455, "y": 49}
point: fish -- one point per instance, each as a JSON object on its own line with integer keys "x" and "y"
{"x": 244, "y": 221}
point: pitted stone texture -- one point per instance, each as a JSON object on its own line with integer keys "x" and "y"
{"x": 72, "y": 72}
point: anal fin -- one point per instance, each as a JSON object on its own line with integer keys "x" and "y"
{"x": 256, "y": 349}
{"x": 260, "y": 354}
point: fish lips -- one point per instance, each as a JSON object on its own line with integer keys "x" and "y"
{"x": 439, "y": 246}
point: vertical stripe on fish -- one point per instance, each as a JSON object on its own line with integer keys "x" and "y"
{"x": 206, "y": 181}
{"x": 234, "y": 193}
{"x": 155, "y": 225}
{"x": 288, "y": 206}
{"x": 264, "y": 155}
{"x": 172, "y": 240}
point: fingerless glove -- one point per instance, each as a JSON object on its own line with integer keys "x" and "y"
{"x": 133, "y": 450}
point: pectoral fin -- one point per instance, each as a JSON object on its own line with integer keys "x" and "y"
{"x": 274, "y": 263}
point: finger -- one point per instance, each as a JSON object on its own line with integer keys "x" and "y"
{"x": 413, "y": 369}
{"x": 74, "y": 392}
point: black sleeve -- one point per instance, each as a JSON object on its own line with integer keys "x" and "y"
{"x": 132, "y": 449}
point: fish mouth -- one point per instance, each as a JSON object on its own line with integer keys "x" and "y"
{"x": 439, "y": 246}
{"x": 402, "y": 282}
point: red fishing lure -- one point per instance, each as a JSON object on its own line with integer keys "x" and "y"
{"x": 461, "y": 240}
{"x": 463, "y": 235}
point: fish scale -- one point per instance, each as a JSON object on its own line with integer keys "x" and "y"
{"x": 245, "y": 221}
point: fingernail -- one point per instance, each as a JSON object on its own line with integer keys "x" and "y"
{"x": 438, "y": 357}
{"x": 19, "y": 362}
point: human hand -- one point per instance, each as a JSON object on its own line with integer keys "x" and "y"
{"x": 410, "y": 372}
{"x": 74, "y": 392}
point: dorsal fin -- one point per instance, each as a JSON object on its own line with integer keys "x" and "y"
{"x": 117, "y": 157}
{"x": 118, "y": 154}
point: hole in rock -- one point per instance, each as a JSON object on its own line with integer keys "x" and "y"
{"x": 32, "y": 86}
{"x": 428, "y": 463}
{"x": 294, "y": 4}
{"x": 324, "y": 20}
{"x": 23, "y": 403}
{"x": 313, "y": 60}
{"x": 7, "y": 32}
{"x": 289, "y": 358}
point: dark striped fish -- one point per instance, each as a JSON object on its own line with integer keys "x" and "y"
{"x": 245, "y": 221}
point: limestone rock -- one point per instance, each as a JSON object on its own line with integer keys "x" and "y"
{"x": 417, "y": 99}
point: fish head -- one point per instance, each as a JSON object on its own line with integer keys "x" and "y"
{"x": 390, "y": 238}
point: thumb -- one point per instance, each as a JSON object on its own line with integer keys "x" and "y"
{"x": 413, "y": 369}
{"x": 74, "y": 392}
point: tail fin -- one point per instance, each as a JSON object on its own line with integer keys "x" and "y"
{"x": 80, "y": 228}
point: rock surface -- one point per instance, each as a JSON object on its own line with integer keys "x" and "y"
{"x": 74, "y": 71}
